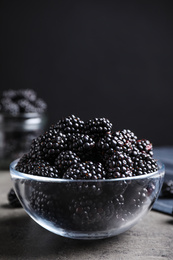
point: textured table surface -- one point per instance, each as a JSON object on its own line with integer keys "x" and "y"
{"x": 22, "y": 238}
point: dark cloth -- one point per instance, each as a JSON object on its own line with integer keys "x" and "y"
{"x": 165, "y": 154}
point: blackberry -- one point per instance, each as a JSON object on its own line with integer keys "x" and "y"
{"x": 70, "y": 124}
{"x": 65, "y": 159}
{"x": 112, "y": 143}
{"x": 47, "y": 201}
{"x": 37, "y": 167}
{"x": 127, "y": 136}
{"x": 145, "y": 146}
{"x": 81, "y": 144}
{"x": 167, "y": 189}
{"x": 135, "y": 198}
{"x": 85, "y": 171}
{"x": 49, "y": 145}
{"x": 27, "y": 164}
{"x": 47, "y": 171}
{"x": 25, "y": 106}
{"x": 9, "y": 93}
{"x": 91, "y": 213}
{"x": 13, "y": 200}
{"x": 9, "y": 107}
{"x": 28, "y": 94}
{"x": 119, "y": 165}
{"x": 19, "y": 101}
{"x": 144, "y": 164}
{"x": 40, "y": 105}
{"x": 97, "y": 127}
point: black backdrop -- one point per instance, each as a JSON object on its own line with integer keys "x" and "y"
{"x": 109, "y": 59}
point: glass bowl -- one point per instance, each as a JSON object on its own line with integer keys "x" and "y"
{"x": 87, "y": 209}
{"x": 17, "y": 133}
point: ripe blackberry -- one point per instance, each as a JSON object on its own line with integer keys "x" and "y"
{"x": 9, "y": 93}
{"x": 167, "y": 189}
{"x": 113, "y": 143}
{"x": 9, "y": 107}
{"x": 80, "y": 144}
{"x": 49, "y": 145}
{"x": 40, "y": 105}
{"x": 145, "y": 146}
{"x": 28, "y": 94}
{"x": 85, "y": 171}
{"x": 119, "y": 165}
{"x": 144, "y": 164}
{"x": 26, "y": 163}
{"x": 97, "y": 127}
{"x": 13, "y": 200}
{"x": 25, "y": 106}
{"x": 47, "y": 201}
{"x": 70, "y": 124}
{"x": 127, "y": 136}
{"x": 37, "y": 167}
{"x": 46, "y": 171}
{"x": 65, "y": 159}
{"x": 135, "y": 198}
{"x": 91, "y": 213}
{"x": 19, "y": 101}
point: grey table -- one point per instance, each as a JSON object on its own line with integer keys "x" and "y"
{"x": 22, "y": 238}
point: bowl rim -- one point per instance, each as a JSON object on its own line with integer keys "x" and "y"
{"x": 20, "y": 175}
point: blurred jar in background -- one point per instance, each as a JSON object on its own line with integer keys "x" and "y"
{"x": 23, "y": 117}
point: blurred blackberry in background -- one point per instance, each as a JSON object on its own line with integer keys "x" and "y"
{"x": 167, "y": 189}
{"x": 85, "y": 171}
{"x": 65, "y": 159}
{"x": 97, "y": 127}
{"x": 13, "y": 200}
{"x": 9, "y": 107}
{"x": 14, "y": 102}
{"x": 25, "y": 106}
{"x": 28, "y": 94}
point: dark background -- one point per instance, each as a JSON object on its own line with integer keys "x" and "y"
{"x": 110, "y": 59}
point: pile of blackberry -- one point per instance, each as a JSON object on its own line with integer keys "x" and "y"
{"x": 15, "y": 102}
{"x": 75, "y": 149}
